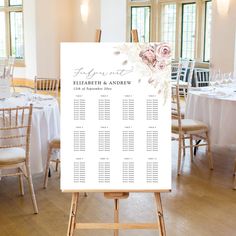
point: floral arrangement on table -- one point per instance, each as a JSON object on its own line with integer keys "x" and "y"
{"x": 151, "y": 61}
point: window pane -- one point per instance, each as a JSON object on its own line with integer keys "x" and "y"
{"x": 188, "y": 30}
{"x": 1, "y": 3}
{"x": 16, "y": 23}
{"x": 2, "y": 35}
{"x": 15, "y": 2}
{"x": 169, "y": 25}
{"x": 207, "y": 42}
{"x": 140, "y": 20}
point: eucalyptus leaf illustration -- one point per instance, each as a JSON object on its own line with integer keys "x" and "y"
{"x": 124, "y": 62}
{"x": 117, "y": 53}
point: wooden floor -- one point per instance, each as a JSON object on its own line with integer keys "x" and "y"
{"x": 202, "y": 203}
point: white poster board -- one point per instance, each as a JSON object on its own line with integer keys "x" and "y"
{"x": 115, "y": 114}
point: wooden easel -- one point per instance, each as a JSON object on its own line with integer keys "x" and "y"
{"x": 134, "y": 36}
{"x": 98, "y": 36}
{"x": 116, "y": 196}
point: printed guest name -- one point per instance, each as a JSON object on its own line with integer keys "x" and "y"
{"x": 89, "y": 74}
{"x": 79, "y": 83}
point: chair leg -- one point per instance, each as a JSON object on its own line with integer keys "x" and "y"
{"x": 183, "y": 146}
{"x": 47, "y": 167}
{"x": 31, "y": 189}
{"x": 209, "y": 154}
{"x": 234, "y": 187}
{"x": 59, "y": 170}
{"x": 57, "y": 164}
{"x": 191, "y": 147}
{"x": 195, "y": 148}
{"x": 179, "y": 154}
{"x": 21, "y": 183}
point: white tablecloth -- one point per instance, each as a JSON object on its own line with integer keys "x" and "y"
{"x": 45, "y": 124}
{"x": 217, "y": 108}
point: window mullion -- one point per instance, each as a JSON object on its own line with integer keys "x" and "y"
{"x": 8, "y": 37}
{"x": 178, "y": 29}
{"x": 198, "y": 30}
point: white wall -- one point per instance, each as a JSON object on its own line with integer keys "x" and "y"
{"x": 223, "y": 39}
{"x": 46, "y": 24}
{"x": 85, "y": 31}
{"x": 53, "y": 25}
{"x": 30, "y": 42}
{"x": 113, "y": 20}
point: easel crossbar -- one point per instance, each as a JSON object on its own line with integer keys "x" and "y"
{"x": 111, "y": 226}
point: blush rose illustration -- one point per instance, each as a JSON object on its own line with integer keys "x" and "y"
{"x": 149, "y": 56}
{"x": 163, "y": 51}
{"x": 155, "y": 56}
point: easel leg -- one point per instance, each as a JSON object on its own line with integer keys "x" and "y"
{"x": 160, "y": 217}
{"x": 73, "y": 214}
{"x": 116, "y": 215}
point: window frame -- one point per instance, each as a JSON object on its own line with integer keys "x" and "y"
{"x": 156, "y": 25}
{"x": 131, "y": 21}
{"x": 144, "y": 3}
{"x": 205, "y": 26}
{"x": 7, "y": 9}
{"x": 162, "y": 6}
{"x": 182, "y": 26}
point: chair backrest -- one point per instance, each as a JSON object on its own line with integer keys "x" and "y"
{"x": 175, "y": 70}
{"x": 11, "y": 65}
{"x": 175, "y": 104}
{"x": 184, "y": 70}
{"x": 46, "y": 86}
{"x": 201, "y": 77}
{"x": 175, "y": 97}
{"x": 98, "y": 36}
{"x": 191, "y": 73}
{"x": 15, "y": 128}
{"x": 134, "y": 36}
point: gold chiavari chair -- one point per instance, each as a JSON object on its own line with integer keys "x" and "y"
{"x": 15, "y": 130}
{"x": 7, "y": 69}
{"x": 48, "y": 86}
{"x": 53, "y": 144}
{"x": 187, "y": 129}
{"x": 201, "y": 77}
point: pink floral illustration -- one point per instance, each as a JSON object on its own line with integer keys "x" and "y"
{"x": 148, "y": 56}
{"x": 163, "y": 51}
{"x": 161, "y": 64}
{"x": 155, "y": 56}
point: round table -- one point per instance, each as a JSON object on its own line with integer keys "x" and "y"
{"x": 217, "y": 108}
{"x": 45, "y": 124}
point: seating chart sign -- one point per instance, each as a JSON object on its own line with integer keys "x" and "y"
{"x": 115, "y": 114}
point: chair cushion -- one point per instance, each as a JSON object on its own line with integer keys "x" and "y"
{"x": 10, "y": 156}
{"x": 188, "y": 125}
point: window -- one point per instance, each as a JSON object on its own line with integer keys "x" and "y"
{"x": 11, "y": 25}
{"x": 184, "y": 24}
{"x": 140, "y": 20}
{"x": 168, "y": 28}
{"x": 188, "y": 30}
{"x": 207, "y": 34}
